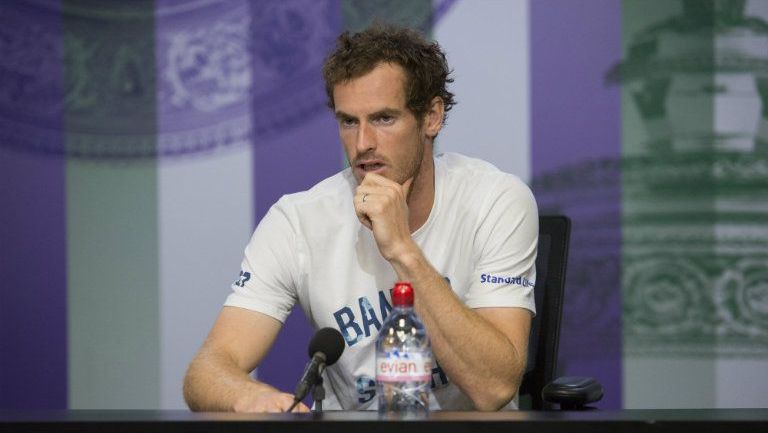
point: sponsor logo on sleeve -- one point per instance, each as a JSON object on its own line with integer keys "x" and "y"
{"x": 501, "y": 279}
{"x": 244, "y": 277}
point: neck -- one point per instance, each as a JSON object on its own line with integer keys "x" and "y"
{"x": 422, "y": 193}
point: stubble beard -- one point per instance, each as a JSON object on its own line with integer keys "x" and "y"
{"x": 414, "y": 169}
{"x": 414, "y": 166}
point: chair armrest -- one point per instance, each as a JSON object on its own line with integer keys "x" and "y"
{"x": 573, "y": 393}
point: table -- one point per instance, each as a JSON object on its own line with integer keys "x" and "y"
{"x": 128, "y": 421}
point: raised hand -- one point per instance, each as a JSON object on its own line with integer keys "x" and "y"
{"x": 381, "y": 205}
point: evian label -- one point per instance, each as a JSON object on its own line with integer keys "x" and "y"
{"x": 404, "y": 367}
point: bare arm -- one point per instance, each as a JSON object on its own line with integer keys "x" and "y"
{"x": 483, "y": 351}
{"x": 218, "y": 377}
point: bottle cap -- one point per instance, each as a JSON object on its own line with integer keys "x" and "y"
{"x": 402, "y": 294}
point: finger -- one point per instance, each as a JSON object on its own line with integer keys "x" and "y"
{"x": 407, "y": 187}
{"x": 391, "y": 191}
{"x": 364, "y": 196}
{"x": 373, "y": 179}
{"x": 361, "y": 196}
{"x": 301, "y": 408}
{"x": 287, "y": 401}
{"x": 362, "y": 215}
{"x": 284, "y": 402}
{"x": 374, "y": 188}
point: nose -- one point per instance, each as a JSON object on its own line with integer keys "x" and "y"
{"x": 366, "y": 139}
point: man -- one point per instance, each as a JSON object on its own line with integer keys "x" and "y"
{"x": 460, "y": 230}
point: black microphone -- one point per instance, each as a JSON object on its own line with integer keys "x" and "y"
{"x": 324, "y": 349}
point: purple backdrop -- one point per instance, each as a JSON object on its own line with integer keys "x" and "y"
{"x": 297, "y": 143}
{"x": 576, "y": 141}
{"x": 33, "y": 280}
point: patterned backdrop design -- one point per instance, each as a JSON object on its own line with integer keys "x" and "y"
{"x": 695, "y": 185}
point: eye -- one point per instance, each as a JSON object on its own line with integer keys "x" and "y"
{"x": 347, "y": 122}
{"x": 385, "y": 119}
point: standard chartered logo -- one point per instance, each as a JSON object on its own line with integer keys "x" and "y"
{"x": 496, "y": 279}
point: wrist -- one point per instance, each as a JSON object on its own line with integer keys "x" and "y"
{"x": 406, "y": 260}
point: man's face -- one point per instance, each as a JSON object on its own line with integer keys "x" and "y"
{"x": 378, "y": 132}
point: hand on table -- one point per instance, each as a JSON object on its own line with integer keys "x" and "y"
{"x": 268, "y": 401}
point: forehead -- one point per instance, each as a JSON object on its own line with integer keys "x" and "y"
{"x": 382, "y": 87}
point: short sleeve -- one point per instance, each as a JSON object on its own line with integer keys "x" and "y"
{"x": 268, "y": 276}
{"x": 505, "y": 247}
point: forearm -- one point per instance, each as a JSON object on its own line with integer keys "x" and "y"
{"x": 475, "y": 355}
{"x": 215, "y": 383}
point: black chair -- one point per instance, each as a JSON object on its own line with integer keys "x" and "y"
{"x": 538, "y": 384}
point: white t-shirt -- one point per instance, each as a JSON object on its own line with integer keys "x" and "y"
{"x": 481, "y": 235}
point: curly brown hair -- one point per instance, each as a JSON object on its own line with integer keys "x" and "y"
{"x": 427, "y": 73}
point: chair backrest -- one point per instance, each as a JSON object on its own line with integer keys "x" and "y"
{"x": 554, "y": 235}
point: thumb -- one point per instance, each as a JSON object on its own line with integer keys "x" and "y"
{"x": 407, "y": 187}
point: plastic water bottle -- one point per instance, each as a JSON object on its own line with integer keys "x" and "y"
{"x": 403, "y": 358}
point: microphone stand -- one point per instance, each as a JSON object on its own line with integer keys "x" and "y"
{"x": 318, "y": 391}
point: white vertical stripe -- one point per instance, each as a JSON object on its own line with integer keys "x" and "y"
{"x": 487, "y": 46}
{"x": 741, "y": 382}
{"x": 206, "y": 217}
{"x": 668, "y": 382}
{"x": 112, "y": 284}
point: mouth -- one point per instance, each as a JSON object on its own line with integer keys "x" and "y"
{"x": 370, "y": 166}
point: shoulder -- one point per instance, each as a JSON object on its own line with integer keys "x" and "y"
{"x": 318, "y": 208}
{"x": 329, "y": 192}
{"x": 480, "y": 178}
{"x": 499, "y": 207}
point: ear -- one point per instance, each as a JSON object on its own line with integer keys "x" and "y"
{"x": 433, "y": 121}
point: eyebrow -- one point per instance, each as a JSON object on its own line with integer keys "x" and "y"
{"x": 342, "y": 115}
{"x": 393, "y": 112}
